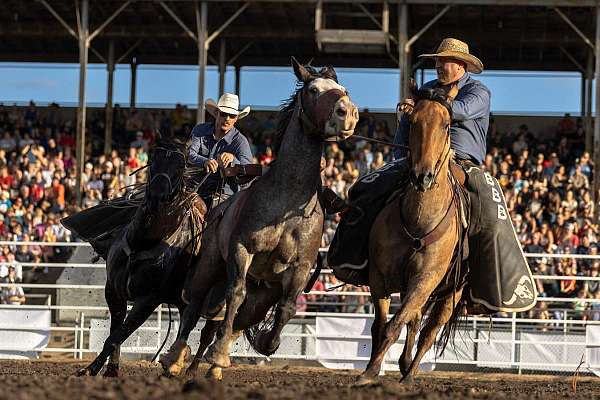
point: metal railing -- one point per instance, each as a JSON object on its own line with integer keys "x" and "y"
{"x": 81, "y": 327}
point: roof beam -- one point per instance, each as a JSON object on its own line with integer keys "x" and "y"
{"x": 216, "y": 33}
{"x": 108, "y": 21}
{"x": 527, "y": 3}
{"x": 575, "y": 28}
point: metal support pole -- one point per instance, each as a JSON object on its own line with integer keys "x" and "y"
{"x": 588, "y": 103}
{"x": 133, "y": 87}
{"x": 109, "y": 98}
{"x": 83, "y": 60}
{"x": 238, "y": 77}
{"x": 201, "y": 18}
{"x": 597, "y": 116}
{"x": 222, "y": 67}
{"x": 402, "y": 53}
{"x": 583, "y": 92}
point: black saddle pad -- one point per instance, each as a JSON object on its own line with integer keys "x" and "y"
{"x": 349, "y": 249}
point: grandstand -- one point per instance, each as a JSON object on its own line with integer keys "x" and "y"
{"x": 49, "y": 168}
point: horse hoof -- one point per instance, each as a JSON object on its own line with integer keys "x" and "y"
{"x": 218, "y": 359}
{"x": 112, "y": 371}
{"x": 365, "y": 380}
{"x": 214, "y": 373}
{"x": 192, "y": 370}
{"x": 173, "y": 362}
{"x": 83, "y": 372}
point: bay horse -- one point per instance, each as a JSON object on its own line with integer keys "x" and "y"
{"x": 149, "y": 257}
{"x": 415, "y": 242}
{"x": 266, "y": 240}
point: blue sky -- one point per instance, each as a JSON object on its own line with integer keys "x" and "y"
{"x": 376, "y": 89}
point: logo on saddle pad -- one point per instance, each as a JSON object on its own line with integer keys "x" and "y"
{"x": 522, "y": 291}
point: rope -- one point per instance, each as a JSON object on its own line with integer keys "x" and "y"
{"x": 166, "y": 337}
{"x": 378, "y": 141}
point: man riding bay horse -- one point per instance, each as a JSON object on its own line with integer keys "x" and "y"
{"x": 500, "y": 279}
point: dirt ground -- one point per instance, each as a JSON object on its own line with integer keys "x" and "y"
{"x": 39, "y": 380}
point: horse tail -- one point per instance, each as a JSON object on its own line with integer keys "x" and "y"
{"x": 451, "y": 327}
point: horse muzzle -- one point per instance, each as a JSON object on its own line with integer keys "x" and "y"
{"x": 422, "y": 181}
{"x": 336, "y": 115}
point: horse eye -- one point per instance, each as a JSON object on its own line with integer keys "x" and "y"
{"x": 313, "y": 90}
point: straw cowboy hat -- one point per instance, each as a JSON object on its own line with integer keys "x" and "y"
{"x": 229, "y": 104}
{"x": 454, "y": 48}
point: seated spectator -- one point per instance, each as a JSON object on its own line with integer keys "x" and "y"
{"x": 12, "y": 293}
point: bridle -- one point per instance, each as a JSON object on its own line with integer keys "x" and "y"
{"x": 313, "y": 121}
{"x": 172, "y": 188}
{"x": 436, "y": 96}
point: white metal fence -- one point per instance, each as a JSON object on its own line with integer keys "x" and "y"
{"x": 86, "y": 328}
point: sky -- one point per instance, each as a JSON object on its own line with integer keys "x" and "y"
{"x": 521, "y": 93}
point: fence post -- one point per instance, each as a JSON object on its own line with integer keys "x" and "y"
{"x": 159, "y": 323}
{"x": 81, "y": 333}
{"x": 513, "y": 347}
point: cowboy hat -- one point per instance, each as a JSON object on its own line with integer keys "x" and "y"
{"x": 228, "y": 104}
{"x": 454, "y": 48}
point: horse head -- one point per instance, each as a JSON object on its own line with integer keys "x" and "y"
{"x": 166, "y": 171}
{"x": 429, "y": 139}
{"x": 325, "y": 107}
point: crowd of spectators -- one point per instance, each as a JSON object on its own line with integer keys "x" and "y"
{"x": 546, "y": 183}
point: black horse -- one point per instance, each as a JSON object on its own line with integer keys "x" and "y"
{"x": 269, "y": 233}
{"x": 148, "y": 258}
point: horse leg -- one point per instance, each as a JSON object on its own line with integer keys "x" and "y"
{"x": 267, "y": 342}
{"x": 439, "y": 315}
{"x": 406, "y": 358}
{"x": 410, "y": 310}
{"x": 117, "y": 307}
{"x": 238, "y": 263}
{"x": 207, "y": 335}
{"x": 382, "y": 307}
{"x": 259, "y": 301}
{"x": 142, "y": 309}
{"x": 174, "y": 361}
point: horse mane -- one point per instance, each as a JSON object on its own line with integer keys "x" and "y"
{"x": 287, "y": 108}
{"x": 439, "y": 95}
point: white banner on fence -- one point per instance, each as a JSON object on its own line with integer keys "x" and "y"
{"x": 31, "y": 331}
{"x": 592, "y": 345}
{"x": 345, "y": 343}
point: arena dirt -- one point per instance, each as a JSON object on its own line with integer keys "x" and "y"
{"x": 37, "y": 380}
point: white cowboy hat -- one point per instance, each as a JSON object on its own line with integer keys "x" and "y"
{"x": 455, "y": 48}
{"x": 229, "y": 104}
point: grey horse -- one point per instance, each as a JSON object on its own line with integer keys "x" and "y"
{"x": 260, "y": 246}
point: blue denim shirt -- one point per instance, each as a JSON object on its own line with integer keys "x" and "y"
{"x": 204, "y": 146}
{"x": 470, "y": 120}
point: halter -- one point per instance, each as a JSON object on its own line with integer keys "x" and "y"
{"x": 322, "y": 111}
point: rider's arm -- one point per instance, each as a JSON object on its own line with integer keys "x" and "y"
{"x": 243, "y": 154}
{"x": 402, "y": 136}
{"x": 195, "y": 157}
{"x": 471, "y": 104}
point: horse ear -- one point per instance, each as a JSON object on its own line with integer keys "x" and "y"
{"x": 412, "y": 87}
{"x": 452, "y": 92}
{"x": 301, "y": 73}
{"x": 330, "y": 73}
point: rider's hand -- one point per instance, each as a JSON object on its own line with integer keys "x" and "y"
{"x": 226, "y": 158}
{"x": 407, "y": 105}
{"x": 211, "y": 166}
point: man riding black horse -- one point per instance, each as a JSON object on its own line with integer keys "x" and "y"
{"x": 500, "y": 279}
